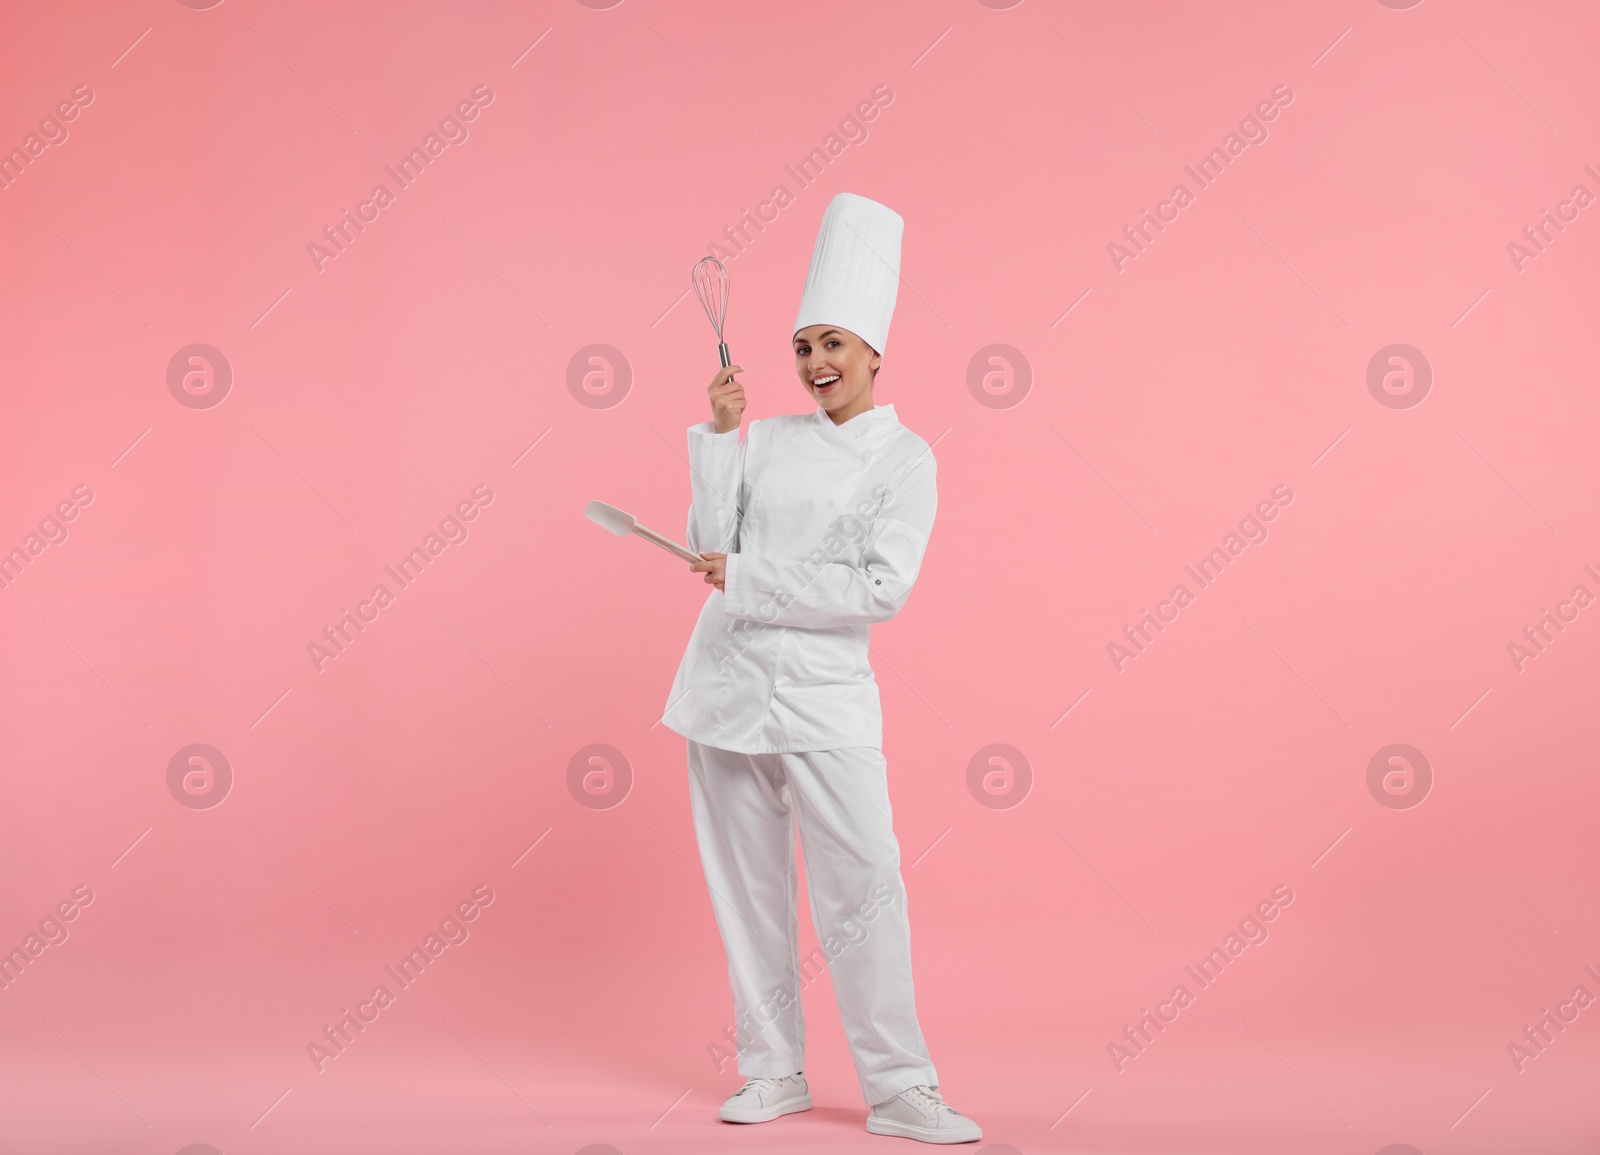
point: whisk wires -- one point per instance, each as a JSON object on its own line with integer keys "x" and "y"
{"x": 710, "y": 280}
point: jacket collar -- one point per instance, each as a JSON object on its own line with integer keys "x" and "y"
{"x": 876, "y": 417}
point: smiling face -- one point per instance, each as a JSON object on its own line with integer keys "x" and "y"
{"x": 836, "y": 367}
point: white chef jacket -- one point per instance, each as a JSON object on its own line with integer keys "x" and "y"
{"x": 824, "y": 526}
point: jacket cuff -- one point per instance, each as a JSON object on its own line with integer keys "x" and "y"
{"x": 733, "y": 592}
{"x": 750, "y": 588}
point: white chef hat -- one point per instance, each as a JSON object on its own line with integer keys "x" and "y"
{"x": 855, "y": 269}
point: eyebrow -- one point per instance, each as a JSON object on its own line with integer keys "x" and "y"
{"x": 820, "y": 335}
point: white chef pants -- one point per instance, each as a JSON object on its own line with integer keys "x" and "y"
{"x": 745, "y": 807}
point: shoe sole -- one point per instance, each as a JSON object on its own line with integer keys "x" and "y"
{"x": 767, "y": 1114}
{"x": 907, "y": 1131}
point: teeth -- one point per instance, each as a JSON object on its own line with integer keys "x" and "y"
{"x": 826, "y": 380}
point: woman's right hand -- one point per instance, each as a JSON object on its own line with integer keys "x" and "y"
{"x": 727, "y": 398}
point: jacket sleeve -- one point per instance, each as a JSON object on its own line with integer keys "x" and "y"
{"x": 716, "y": 471}
{"x": 814, "y": 593}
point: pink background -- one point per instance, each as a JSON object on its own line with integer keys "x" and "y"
{"x": 1166, "y": 400}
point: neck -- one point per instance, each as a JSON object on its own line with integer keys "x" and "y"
{"x": 857, "y": 407}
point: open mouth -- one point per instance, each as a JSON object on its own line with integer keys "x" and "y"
{"x": 825, "y": 384}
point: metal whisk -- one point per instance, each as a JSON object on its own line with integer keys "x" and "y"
{"x": 710, "y": 281}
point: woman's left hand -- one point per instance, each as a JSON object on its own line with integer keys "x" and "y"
{"x": 715, "y": 567}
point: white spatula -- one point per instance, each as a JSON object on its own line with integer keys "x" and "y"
{"x": 622, "y": 524}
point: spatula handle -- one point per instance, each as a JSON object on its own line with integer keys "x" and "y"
{"x": 666, "y": 543}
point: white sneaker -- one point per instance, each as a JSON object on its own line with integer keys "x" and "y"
{"x": 761, "y": 1100}
{"x": 920, "y": 1113}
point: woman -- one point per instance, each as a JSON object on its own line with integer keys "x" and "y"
{"x": 811, "y": 528}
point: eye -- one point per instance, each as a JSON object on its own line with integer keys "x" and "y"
{"x": 833, "y": 340}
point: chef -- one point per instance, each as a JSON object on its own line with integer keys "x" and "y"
{"x": 812, "y": 528}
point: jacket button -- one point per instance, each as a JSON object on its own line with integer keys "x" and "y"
{"x": 877, "y": 581}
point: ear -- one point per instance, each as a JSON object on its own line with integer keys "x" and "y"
{"x": 876, "y": 360}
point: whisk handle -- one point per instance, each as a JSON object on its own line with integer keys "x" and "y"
{"x": 722, "y": 351}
